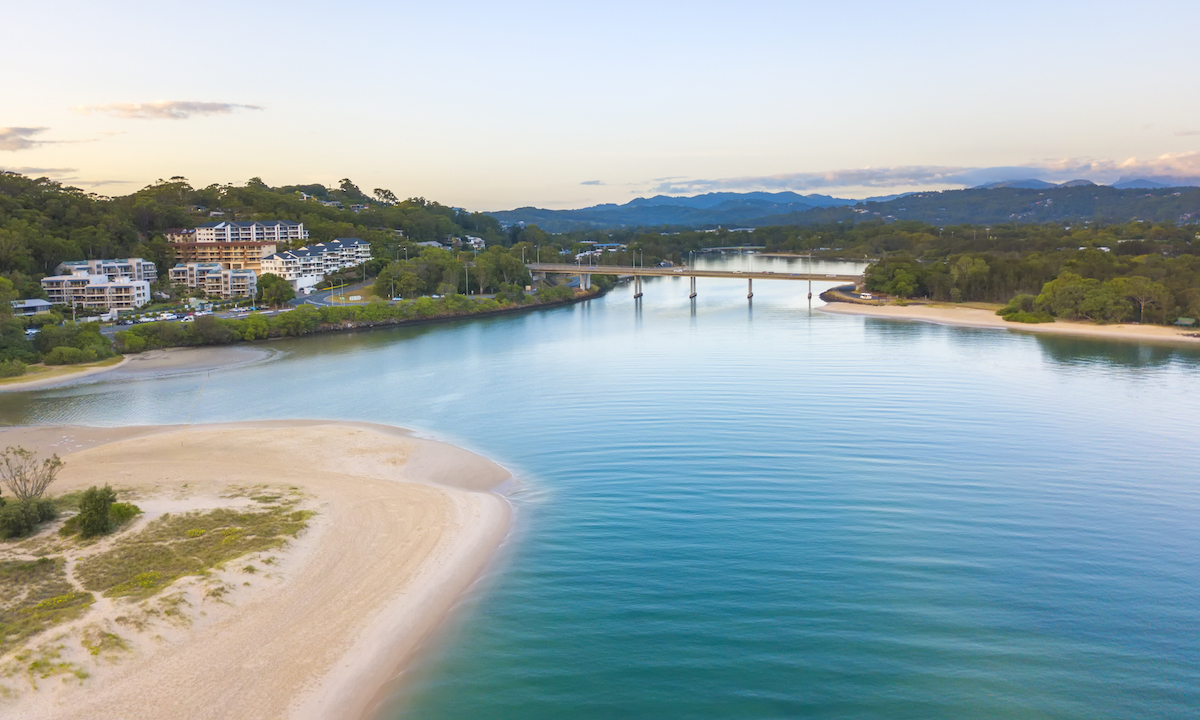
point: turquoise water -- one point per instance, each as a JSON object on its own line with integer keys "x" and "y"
{"x": 736, "y": 510}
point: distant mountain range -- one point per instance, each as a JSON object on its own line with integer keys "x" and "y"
{"x": 1020, "y": 201}
{"x": 724, "y": 208}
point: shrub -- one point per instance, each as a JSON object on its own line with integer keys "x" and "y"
{"x": 1029, "y": 317}
{"x": 93, "y": 517}
{"x": 121, "y": 513}
{"x": 11, "y": 368}
{"x": 66, "y": 355}
{"x": 45, "y": 509}
{"x": 19, "y": 519}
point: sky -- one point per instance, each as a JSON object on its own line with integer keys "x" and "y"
{"x": 491, "y": 106}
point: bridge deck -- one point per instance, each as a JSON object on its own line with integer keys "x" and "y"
{"x": 566, "y": 269}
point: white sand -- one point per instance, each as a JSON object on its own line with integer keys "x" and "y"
{"x": 974, "y": 317}
{"x": 403, "y": 526}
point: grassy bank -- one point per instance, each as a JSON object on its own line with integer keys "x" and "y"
{"x": 310, "y": 320}
{"x": 41, "y": 372}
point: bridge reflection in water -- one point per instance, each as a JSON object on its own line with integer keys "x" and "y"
{"x": 585, "y": 273}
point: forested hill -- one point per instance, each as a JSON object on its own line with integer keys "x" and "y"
{"x": 1095, "y": 203}
{"x": 711, "y": 209}
{"x": 980, "y": 206}
{"x": 43, "y": 223}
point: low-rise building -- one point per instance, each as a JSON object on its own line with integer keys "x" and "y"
{"x": 179, "y": 235}
{"x": 275, "y": 231}
{"x": 216, "y": 280}
{"x": 234, "y": 245}
{"x": 235, "y": 255}
{"x": 127, "y": 268}
{"x": 33, "y": 306}
{"x": 96, "y": 291}
{"x": 307, "y": 266}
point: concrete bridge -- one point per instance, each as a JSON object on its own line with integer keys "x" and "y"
{"x": 585, "y": 273}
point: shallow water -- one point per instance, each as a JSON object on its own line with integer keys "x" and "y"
{"x": 751, "y": 510}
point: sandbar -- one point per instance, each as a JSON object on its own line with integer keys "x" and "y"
{"x": 403, "y": 526}
{"x": 978, "y": 318}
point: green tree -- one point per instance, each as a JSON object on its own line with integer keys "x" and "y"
{"x": 274, "y": 290}
{"x": 1144, "y": 293}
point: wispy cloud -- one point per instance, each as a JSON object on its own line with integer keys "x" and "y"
{"x": 1186, "y": 133}
{"x": 1180, "y": 166}
{"x": 592, "y": 182}
{"x": 20, "y": 138}
{"x": 164, "y": 109}
{"x": 53, "y": 173}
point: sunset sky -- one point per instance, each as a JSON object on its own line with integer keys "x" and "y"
{"x": 561, "y": 104}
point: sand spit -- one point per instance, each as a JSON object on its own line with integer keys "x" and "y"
{"x": 403, "y": 525}
{"x": 156, "y": 363}
{"x": 974, "y": 317}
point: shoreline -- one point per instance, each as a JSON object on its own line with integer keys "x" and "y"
{"x": 36, "y": 382}
{"x": 404, "y": 527}
{"x": 987, "y": 319}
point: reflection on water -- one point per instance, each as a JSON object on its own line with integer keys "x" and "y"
{"x": 802, "y": 515}
{"x": 1087, "y": 351}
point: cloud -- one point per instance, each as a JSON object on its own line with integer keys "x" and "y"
{"x": 164, "y": 109}
{"x": 20, "y": 138}
{"x": 52, "y": 173}
{"x": 592, "y": 182}
{"x": 1179, "y": 166}
{"x": 1187, "y": 133}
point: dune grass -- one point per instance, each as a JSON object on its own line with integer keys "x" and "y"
{"x": 173, "y": 546}
{"x": 35, "y": 595}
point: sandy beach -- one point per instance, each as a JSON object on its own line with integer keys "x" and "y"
{"x": 974, "y": 317}
{"x": 402, "y": 526}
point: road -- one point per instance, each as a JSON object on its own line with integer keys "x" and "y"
{"x": 321, "y": 298}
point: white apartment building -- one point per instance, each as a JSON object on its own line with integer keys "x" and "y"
{"x": 126, "y": 268}
{"x": 309, "y": 265}
{"x": 215, "y": 280}
{"x": 272, "y": 231}
{"x": 96, "y": 291}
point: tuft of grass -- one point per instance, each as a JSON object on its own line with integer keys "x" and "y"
{"x": 264, "y": 498}
{"x": 98, "y": 642}
{"x": 47, "y": 662}
{"x": 174, "y": 546}
{"x": 34, "y": 596}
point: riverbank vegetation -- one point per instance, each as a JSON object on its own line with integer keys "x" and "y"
{"x": 310, "y": 319}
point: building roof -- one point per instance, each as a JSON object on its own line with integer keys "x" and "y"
{"x": 30, "y": 303}
{"x": 245, "y": 243}
{"x": 250, "y": 223}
